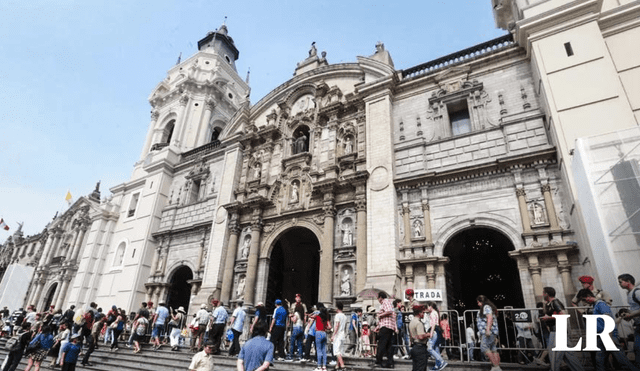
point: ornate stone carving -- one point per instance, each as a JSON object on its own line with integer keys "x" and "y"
{"x": 520, "y": 192}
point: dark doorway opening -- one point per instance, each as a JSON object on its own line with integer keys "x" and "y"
{"x": 294, "y": 268}
{"x": 49, "y": 298}
{"x": 480, "y": 265}
{"x": 180, "y": 289}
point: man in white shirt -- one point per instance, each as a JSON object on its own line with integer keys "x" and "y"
{"x": 340, "y": 331}
{"x": 237, "y": 324}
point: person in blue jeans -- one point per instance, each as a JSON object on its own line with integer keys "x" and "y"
{"x": 297, "y": 335}
{"x": 432, "y": 344}
{"x": 322, "y": 325}
{"x": 277, "y": 330}
{"x": 628, "y": 282}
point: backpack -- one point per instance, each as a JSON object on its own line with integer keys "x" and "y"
{"x": 79, "y": 318}
{"x": 12, "y": 344}
{"x": 142, "y": 326}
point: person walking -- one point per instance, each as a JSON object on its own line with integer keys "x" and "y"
{"x": 219, "y": 320}
{"x": 628, "y": 282}
{"x": 70, "y": 354}
{"x": 112, "y": 315}
{"x": 402, "y": 341}
{"x": 277, "y": 330}
{"x": 237, "y": 324}
{"x": 554, "y": 306}
{"x": 419, "y": 353}
{"x": 15, "y": 355}
{"x": 44, "y": 342}
{"x": 177, "y": 324}
{"x": 386, "y": 329}
{"x": 93, "y": 340}
{"x": 118, "y": 326}
{"x": 354, "y": 331}
{"x": 488, "y": 329}
{"x": 339, "y": 334}
{"x": 63, "y": 337}
{"x": 142, "y": 311}
{"x": 257, "y": 353}
{"x": 322, "y": 326}
{"x": 432, "y": 344}
{"x": 159, "y": 320}
{"x": 139, "y": 329}
{"x": 202, "y": 320}
{"x": 601, "y": 307}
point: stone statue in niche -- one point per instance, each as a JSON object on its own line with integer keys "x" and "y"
{"x": 348, "y": 146}
{"x": 244, "y": 251}
{"x": 257, "y": 171}
{"x": 417, "y": 229}
{"x": 345, "y": 284}
{"x": 347, "y": 235}
{"x": 538, "y": 213}
{"x": 294, "y": 193}
{"x": 240, "y": 288}
{"x": 300, "y": 144}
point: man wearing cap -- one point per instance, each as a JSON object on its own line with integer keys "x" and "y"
{"x": 237, "y": 324}
{"x": 587, "y": 283}
{"x": 220, "y": 316}
{"x": 277, "y": 330}
{"x": 202, "y": 319}
{"x": 419, "y": 353}
{"x": 70, "y": 353}
{"x": 412, "y": 301}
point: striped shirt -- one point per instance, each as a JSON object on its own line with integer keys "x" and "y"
{"x": 388, "y": 321}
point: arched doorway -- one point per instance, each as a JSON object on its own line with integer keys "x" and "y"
{"x": 479, "y": 263}
{"x": 48, "y": 300}
{"x": 180, "y": 289}
{"x": 294, "y": 267}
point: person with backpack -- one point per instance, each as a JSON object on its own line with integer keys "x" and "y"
{"x": 139, "y": 330}
{"x": 62, "y": 338}
{"x": 40, "y": 345}
{"x": 554, "y": 306}
{"x": 68, "y": 316}
{"x": 118, "y": 326}
{"x": 177, "y": 324}
{"x": 16, "y": 346}
{"x": 112, "y": 315}
{"x": 628, "y": 282}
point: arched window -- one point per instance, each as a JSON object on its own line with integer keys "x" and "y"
{"x": 118, "y": 258}
{"x": 168, "y": 132}
{"x": 215, "y": 134}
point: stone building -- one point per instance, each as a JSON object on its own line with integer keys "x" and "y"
{"x": 450, "y": 177}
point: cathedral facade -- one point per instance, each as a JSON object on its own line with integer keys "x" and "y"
{"x": 448, "y": 177}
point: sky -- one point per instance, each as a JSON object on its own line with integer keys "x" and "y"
{"x": 75, "y": 76}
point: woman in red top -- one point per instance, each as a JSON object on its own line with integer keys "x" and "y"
{"x": 322, "y": 324}
{"x": 446, "y": 333}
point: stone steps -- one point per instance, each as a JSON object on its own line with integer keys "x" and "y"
{"x": 166, "y": 360}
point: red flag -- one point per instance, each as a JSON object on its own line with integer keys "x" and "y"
{"x": 3, "y": 225}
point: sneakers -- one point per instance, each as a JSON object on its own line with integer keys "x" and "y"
{"x": 288, "y": 359}
{"x": 395, "y": 357}
{"x": 445, "y": 364}
{"x": 332, "y": 363}
{"x": 318, "y": 368}
{"x": 406, "y": 356}
{"x": 496, "y": 368}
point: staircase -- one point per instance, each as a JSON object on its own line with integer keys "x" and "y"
{"x": 165, "y": 360}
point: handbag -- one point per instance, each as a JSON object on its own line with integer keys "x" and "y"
{"x": 32, "y": 347}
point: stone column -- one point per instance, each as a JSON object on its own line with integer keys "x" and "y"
{"x": 409, "y": 274}
{"x": 54, "y": 300}
{"x": 361, "y": 244}
{"x": 551, "y": 210}
{"x": 254, "y": 253}
{"x": 15, "y": 251}
{"x": 230, "y": 260}
{"x": 431, "y": 275}
{"x": 54, "y": 247}
{"x": 565, "y": 272}
{"x": 524, "y": 212}
{"x": 209, "y": 105}
{"x": 201, "y": 254}
{"x": 63, "y": 291}
{"x": 147, "y": 145}
{"x": 536, "y": 271}
{"x": 36, "y": 296}
{"x": 179, "y": 127}
{"x": 406, "y": 219}
{"x": 78, "y": 245}
{"x": 426, "y": 214}
{"x": 326, "y": 258}
{"x": 47, "y": 248}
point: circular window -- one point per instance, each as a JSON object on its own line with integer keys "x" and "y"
{"x": 227, "y": 58}
{"x": 196, "y": 104}
{"x": 230, "y": 96}
{"x": 206, "y": 62}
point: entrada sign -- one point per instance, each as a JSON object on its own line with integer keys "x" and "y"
{"x": 427, "y": 294}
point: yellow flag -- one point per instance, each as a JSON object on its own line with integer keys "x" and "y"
{"x": 68, "y": 197}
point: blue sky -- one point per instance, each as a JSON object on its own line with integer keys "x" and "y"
{"x": 75, "y": 75}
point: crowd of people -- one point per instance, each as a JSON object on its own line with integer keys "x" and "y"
{"x": 395, "y": 329}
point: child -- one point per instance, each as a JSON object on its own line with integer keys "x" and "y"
{"x": 364, "y": 339}
{"x": 70, "y": 354}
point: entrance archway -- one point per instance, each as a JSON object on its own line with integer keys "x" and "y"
{"x": 294, "y": 267}
{"x": 479, "y": 263}
{"x": 180, "y": 289}
{"x": 48, "y": 300}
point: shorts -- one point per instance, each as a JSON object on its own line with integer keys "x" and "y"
{"x": 157, "y": 331}
{"x": 338, "y": 345}
{"x": 488, "y": 343}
